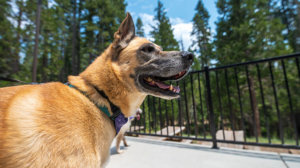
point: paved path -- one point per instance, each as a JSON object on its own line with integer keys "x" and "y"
{"x": 146, "y": 153}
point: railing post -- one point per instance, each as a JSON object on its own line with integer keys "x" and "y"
{"x": 210, "y": 109}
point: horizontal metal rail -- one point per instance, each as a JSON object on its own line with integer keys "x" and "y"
{"x": 248, "y": 103}
{"x": 249, "y": 62}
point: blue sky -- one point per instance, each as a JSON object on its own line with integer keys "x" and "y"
{"x": 180, "y": 12}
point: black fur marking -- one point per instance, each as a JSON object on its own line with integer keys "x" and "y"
{"x": 132, "y": 76}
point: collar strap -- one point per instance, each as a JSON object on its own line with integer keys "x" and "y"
{"x": 102, "y": 108}
{"x": 118, "y": 117}
{"x": 115, "y": 109}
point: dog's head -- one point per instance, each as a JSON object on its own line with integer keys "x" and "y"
{"x": 144, "y": 66}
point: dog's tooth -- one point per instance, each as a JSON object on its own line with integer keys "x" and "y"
{"x": 171, "y": 88}
{"x": 149, "y": 79}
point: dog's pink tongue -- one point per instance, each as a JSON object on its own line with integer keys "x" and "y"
{"x": 162, "y": 85}
{"x": 165, "y": 86}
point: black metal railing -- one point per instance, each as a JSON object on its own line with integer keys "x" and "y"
{"x": 251, "y": 103}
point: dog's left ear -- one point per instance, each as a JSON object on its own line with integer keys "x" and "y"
{"x": 125, "y": 33}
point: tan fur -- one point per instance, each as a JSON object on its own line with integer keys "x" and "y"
{"x": 123, "y": 94}
{"x": 54, "y": 125}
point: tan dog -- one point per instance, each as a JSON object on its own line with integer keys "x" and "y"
{"x": 121, "y": 134}
{"x": 54, "y": 125}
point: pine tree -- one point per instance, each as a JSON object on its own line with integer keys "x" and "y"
{"x": 102, "y": 20}
{"x": 6, "y": 39}
{"x": 162, "y": 32}
{"x": 19, "y": 19}
{"x": 201, "y": 31}
{"x": 75, "y": 22}
{"x": 66, "y": 44}
{"x": 248, "y": 30}
{"x": 52, "y": 28}
{"x": 36, "y": 43}
{"x": 139, "y": 27}
{"x": 289, "y": 14}
{"x": 56, "y": 42}
{"x": 110, "y": 14}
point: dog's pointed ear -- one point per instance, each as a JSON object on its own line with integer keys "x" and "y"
{"x": 125, "y": 33}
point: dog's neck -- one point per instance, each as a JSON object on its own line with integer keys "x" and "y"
{"x": 101, "y": 75}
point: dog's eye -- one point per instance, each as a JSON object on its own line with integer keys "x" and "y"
{"x": 148, "y": 49}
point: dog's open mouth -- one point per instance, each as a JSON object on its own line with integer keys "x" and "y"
{"x": 157, "y": 83}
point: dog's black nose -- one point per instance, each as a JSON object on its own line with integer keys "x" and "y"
{"x": 187, "y": 56}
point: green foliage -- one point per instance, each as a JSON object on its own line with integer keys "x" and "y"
{"x": 139, "y": 28}
{"x": 6, "y": 38}
{"x": 249, "y": 31}
{"x": 201, "y": 32}
{"x": 100, "y": 21}
{"x": 246, "y": 30}
{"x": 162, "y": 32}
{"x": 254, "y": 34}
{"x": 93, "y": 25}
{"x": 289, "y": 13}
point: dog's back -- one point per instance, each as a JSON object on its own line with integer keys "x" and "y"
{"x": 42, "y": 125}
{"x": 6, "y": 95}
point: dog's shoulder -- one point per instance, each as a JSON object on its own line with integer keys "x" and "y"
{"x": 50, "y": 118}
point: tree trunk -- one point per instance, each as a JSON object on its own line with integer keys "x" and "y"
{"x": 62, "y": 57}
{"x": 78, "y": 37}
{"x": 45, "y": 60}
{"x": 74, "y": 39}
{"x": 254, "y": 106}
{"x": 90, "y": 37}
{"x": 36, "y": 45}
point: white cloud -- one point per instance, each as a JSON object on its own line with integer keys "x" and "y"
{"x": 182, "y": 30}
{"x": 148, "y": 21}
{"x": 176, "y": 21}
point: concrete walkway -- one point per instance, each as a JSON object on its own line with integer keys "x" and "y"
{"x": 146, "y": 153}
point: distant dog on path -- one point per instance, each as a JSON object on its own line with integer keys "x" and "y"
{"x": 121, "y": 134}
